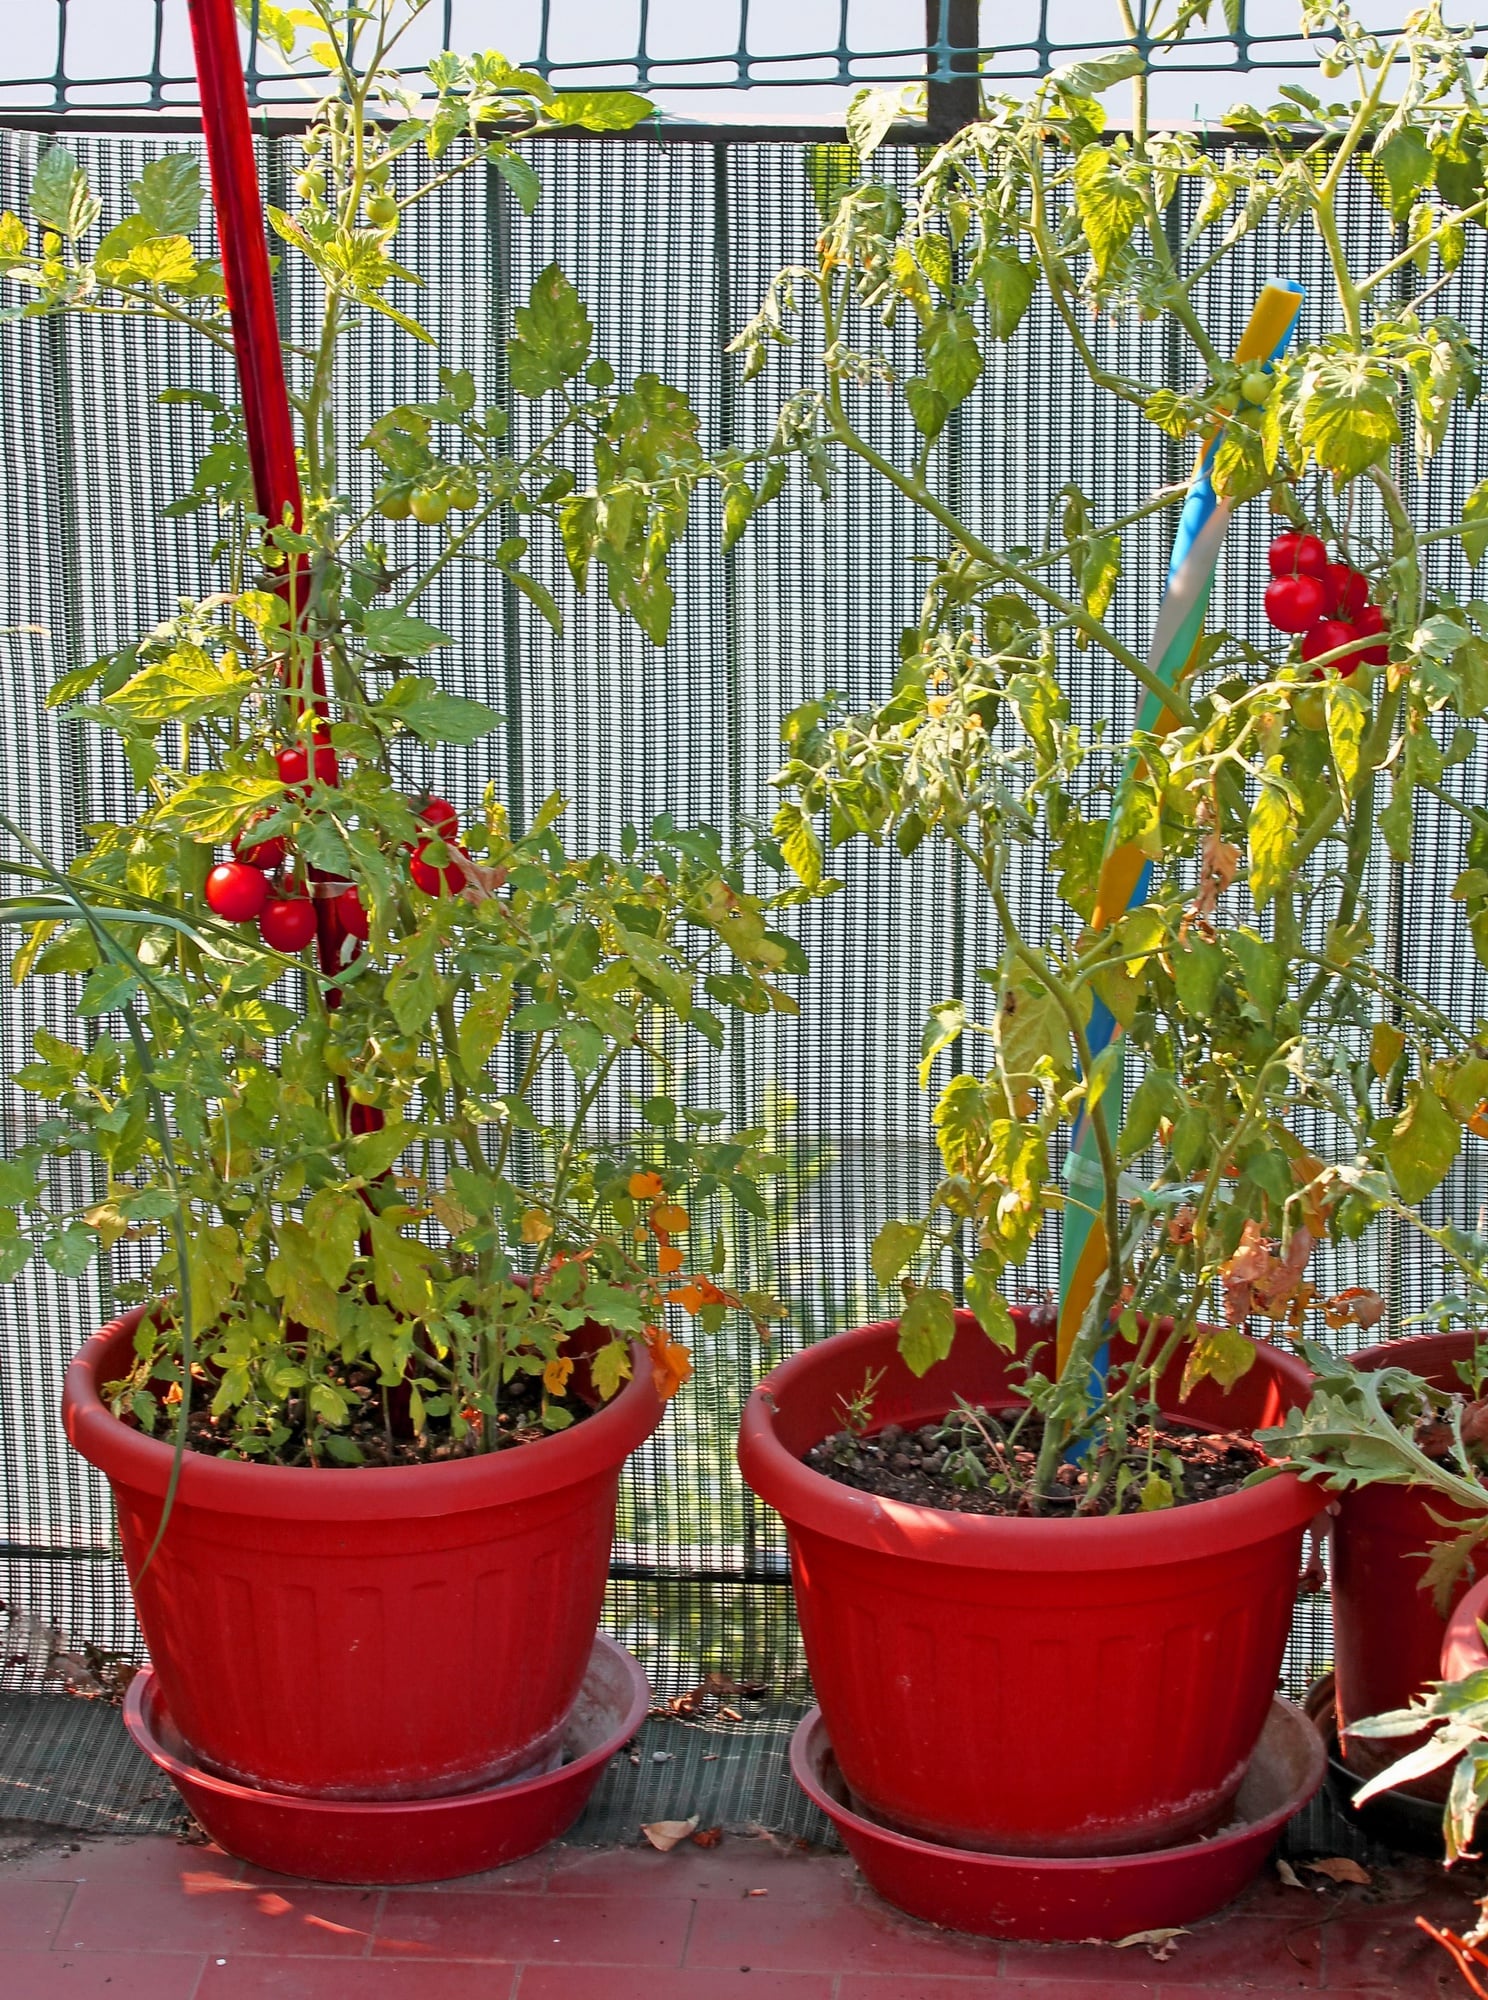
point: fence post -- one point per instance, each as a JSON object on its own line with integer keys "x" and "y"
{"x": 953, "y": 94}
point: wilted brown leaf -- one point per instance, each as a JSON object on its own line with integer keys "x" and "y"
{"x": 1338, "y": 1868}
{"x": 1288, "y": 1874}
{"x": 1161, "y": 1943}
{"x": 665, "y": 1834}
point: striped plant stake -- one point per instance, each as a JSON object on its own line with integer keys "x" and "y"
{"x": 1126, "y": 873}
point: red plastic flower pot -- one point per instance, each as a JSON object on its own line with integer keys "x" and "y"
{"x": 1030, "y": 1686}
{"x": 397, "y": 1632}
{"x": 1387, "y": 1631}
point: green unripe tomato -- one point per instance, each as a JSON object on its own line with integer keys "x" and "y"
{"x": 1255, "y": 385}
{"x": 310, "y": 185}
{"x": 394, "y": 506}
{"x": 383, "y": 211}
{"x": 463, "y": 491}
{"x": 429, "y": 505}
{"x": 1310, "y": 706}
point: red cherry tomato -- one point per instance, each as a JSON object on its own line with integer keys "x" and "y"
{"x": 236, "y": 892}
{"x": 1295, "y": 602}
{"x": 1348, "y": 591}
{"x": 435, "y": 881}
{"x": 1326, "y": 637}
{"x": 1298, "y": 555}
{"x": 287, "y": 923}
{"x": 441, "y": 815}
{"x": 1370, "y": 622}
{"x": 293, "y": 761}
{"x": 268, "y": 852}
{"x": 353, "y": 916}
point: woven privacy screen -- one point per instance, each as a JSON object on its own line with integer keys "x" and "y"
{"x": 670, "y": 248}
{"x": 75, "y": 55}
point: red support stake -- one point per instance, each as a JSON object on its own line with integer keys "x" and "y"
{"x": 249, "y": 281}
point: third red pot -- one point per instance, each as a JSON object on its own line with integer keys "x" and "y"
{"x": 1030, "y": 1686}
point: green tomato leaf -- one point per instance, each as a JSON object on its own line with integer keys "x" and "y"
{"x": 599, "y": 110}
{"x": 1109, "y": 205}
{"x": 1272, "y": 834}
{"x": 1008, "y": 286}
{"x": 107, "y": 990}
{"x": 870, "y": 114}
{"x": 1475, "y": 524}
{"x": 1349, "y": 420}
{"x": 397, "y": 636}
{"x": 927, "y": 1328}
{"x": 60, "y": 198}
{"x": 894, "y": 1247}
{"x": 1399, "y": 169}
{"x": 168, "y": 194}
{"x": 519, "y": 176}
{"x": 990, "y": 1307}
{"x": 1423, "y": 1144}
{"x": 433, "y": 715}
{"x": 1089, "y": 79}
{"x": 553, "y": 336}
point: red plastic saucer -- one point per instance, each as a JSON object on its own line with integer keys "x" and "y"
{"x": 390, "y": 1841}
{"x": 1062, "y": 1900}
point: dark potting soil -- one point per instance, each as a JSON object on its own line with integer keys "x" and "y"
{"x": 383, "y": 1436}
{"x": 966, "y": 1467}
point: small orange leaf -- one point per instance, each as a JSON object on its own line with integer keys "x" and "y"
{"x": 556, "y": 1374}
{"x": 669, "y": 1259}
{"x": 644, "y": 1186}
{"x": 670, "y": 1217}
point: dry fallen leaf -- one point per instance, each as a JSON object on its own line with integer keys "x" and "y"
{"x": 665, "y": 1834}
{"x": 756, "y": 1892}
{"x": 707, "y": 1836}
{"x": 1338, "y": 1868}
{"x": 1288, "y": 1874}
{"x": 1160, "y": 1944}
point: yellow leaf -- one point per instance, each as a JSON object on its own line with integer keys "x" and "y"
{"x": 556, "y": 1374}
{"x": 536, "y": 1227}
{"x": 1385, "y": 1045}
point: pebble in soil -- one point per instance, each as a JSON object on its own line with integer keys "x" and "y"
{"x": 967, "y": 1465}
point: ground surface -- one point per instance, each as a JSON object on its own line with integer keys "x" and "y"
{"x": 158, "y": 1919}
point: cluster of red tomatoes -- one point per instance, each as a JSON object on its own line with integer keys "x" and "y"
{"x": 250, "y": 888}
{"x": 1327, "y": 602}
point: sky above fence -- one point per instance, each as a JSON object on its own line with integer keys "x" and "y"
{"x": 728, "y": 61}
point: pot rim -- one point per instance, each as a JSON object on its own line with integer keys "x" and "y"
{"x": 809, "y": 1500}
{"x": 132, "y": 1459}
{"x": 1416, "y": 1349}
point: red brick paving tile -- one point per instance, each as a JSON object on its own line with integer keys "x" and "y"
{"x": 1362, "y": 1951}
{"x": 211, "y": 1911}
{"x": 730, "y": 1869}
{"x": 527, "y": 1875}
{"x": 321, "y": 1979}
{"x": 571, "y": 1930}
{"x": 762, "y": 1934}
{"x": 151, "y": 1858}
{"x": 101, "y": 1975}
{"x": 896, "y": 1986}
{"x": 603, "y": 1982}
{"x": 1268, "y": 1954}
{"x": 30, "y": 1913}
